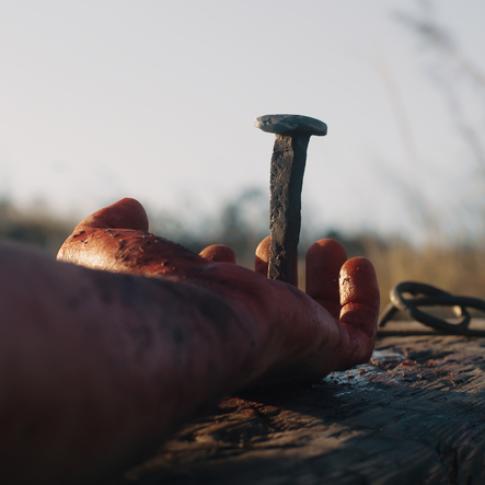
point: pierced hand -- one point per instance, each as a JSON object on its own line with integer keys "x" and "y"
{"x": 331, "y": 326}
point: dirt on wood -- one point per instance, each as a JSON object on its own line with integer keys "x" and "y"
{"x": 414, "y": 414}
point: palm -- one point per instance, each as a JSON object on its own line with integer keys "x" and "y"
{"x": 331, "y": 326}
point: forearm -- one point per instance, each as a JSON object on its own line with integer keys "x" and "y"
{"x": 97, "y": 368}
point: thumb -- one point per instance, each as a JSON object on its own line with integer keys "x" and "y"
{"x": 127, "y": 213}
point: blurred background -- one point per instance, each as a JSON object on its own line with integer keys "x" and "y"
{"x": 157, "y": 100}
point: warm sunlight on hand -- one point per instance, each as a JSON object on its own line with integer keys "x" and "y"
{"x": 331, "y": 326}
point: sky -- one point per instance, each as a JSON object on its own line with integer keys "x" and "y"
{"x": 157, "y": 100}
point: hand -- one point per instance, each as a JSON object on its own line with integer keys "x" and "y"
{"x": 331, "y": 326}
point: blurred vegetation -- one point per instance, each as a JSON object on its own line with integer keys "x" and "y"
{"x": 459, "y": 81}
{"x": 242, "y": 222}
{"x": 34, "y": 226}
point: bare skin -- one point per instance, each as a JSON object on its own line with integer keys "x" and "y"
{"x": 99, "y": 367}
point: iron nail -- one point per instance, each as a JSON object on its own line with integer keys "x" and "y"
{"x": 287, "y": 168}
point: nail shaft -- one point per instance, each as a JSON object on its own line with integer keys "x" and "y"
{"x": 286, "y": 179}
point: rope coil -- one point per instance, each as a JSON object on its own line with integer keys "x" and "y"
{"x": 410, "y": 297}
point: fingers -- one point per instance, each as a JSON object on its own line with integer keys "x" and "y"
{"x": 261, "y": 259}
{"x": 219, "y": 253}
{"x": 127, "y": 213}
{"x": 324, "y": 259}
{"x": 359, "y": 296}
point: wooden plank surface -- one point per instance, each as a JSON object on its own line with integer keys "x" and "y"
{"x": 414, "y": 414}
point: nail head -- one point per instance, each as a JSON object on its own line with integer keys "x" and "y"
{"x": 291, "y": 124}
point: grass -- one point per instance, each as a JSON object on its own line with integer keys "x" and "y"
{"x": 459, "y": 270}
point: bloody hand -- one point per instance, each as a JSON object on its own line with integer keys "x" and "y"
{"x": 331, "y": 326}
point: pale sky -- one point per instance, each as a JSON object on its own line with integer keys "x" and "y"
{"x": 157, "y": 100}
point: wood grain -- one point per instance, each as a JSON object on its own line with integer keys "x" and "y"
{"x": 414, "y": 414}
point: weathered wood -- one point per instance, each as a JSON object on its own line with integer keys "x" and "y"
{"x": 414, "y": 414}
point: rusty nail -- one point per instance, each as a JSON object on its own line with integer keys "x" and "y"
{"x": 287, "y": 168}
